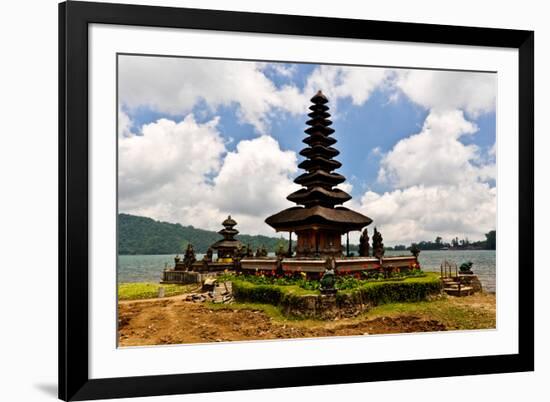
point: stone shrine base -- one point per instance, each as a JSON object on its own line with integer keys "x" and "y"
{"x": 325, "y": 307}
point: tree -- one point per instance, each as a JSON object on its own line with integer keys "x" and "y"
{"x": 141, "y": 235}
{"x": 454, "y": 242}
{"x": 491, "y": 240}
{"x": 414, "y": 250}
{"x": 438, "y": 240}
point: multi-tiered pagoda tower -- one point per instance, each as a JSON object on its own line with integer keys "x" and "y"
{"x": 227, "y": 247}
{"x": 317, "y": 220}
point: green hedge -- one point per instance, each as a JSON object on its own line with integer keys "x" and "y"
{"x": 270, "y": 294}
{"x": 246, "y": 291}
{"x": 408, "y": 290}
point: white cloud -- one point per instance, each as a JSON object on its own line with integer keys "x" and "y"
{"x": 423, "y": 212}
{"x": 357, "y": 83}
{"x": 284, "y": 70}
{"x": 124, "y": 124}
{"x": 176, "y": 85}
{"x": 182, "y": 172}
{"x": 474, "y": 93}
{"x": 346, "y": 186}
{"x": 439, "y": 185}
{"x": 168, "y": 161}
{"x": 433, "y": 156}
{"x": 255, "y": 179}
{"x": 376, "y": 151}
{"x": 493, "y": 150}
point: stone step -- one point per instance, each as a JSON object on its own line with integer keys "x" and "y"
{"x": 464, "y": 291}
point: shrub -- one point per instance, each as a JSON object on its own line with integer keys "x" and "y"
{"x": 250, "y": 292}
{"x": 366, "y": 292}
{"x": 408, "y": 290}
{"x": 343, "y": 281}
{"x": 271, "y": 294}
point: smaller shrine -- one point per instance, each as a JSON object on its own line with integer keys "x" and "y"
{"x": 228, "y": 248}
{"x": 229, "y": 252}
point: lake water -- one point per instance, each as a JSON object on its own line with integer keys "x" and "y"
{"x": 484, "y": 262}
{"x": 148, "y": 268}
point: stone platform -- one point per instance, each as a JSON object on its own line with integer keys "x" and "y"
{"x": 199, "y": 270}
{"x": 344, "y": 265}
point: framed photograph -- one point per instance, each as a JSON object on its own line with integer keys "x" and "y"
{"x": 258, "y": 200}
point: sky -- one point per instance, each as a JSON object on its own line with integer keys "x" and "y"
{"x": 199, "y": 139}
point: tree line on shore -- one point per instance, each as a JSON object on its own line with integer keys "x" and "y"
{"x": 142, "y": 235}
{"x": 455, "y": 244}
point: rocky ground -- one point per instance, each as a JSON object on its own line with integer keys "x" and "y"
{"x": 180, "y": 319}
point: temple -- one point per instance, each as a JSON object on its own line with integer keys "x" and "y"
{"x": 319, "y": 220}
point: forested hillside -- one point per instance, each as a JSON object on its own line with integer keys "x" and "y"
{"x": 141, "y": 235}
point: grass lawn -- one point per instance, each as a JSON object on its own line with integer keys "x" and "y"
{"x": 149, "y": 290}
{"x": 471, "y": 312}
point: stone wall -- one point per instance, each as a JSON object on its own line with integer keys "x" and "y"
{"x": 473, "y": 281}
{"x": 327, "y": 307}
{"x": 181, "y": 277}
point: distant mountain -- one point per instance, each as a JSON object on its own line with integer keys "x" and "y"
{"x": 141, "y": 235}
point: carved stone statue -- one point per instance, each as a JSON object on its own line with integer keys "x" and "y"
{"x": 261, "y": 252}
{"x": 279, "y": 270}
{"x": 466, "y": 268}
{"x": 415, "y": 250}
{"x": 239, "y": 251}
{"x": 328, "y": 280}
{"x": 208, "y": 255}
{"x": 249, "y": 252}
{"x": 242, "y": 252}
{"x": 377, "y": 244}
{"x": 189, "y": 257}
{"x": 364, "y": 244}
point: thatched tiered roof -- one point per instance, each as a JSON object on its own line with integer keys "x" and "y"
{"x": 228, "y": 233}
{"x": 318, "y": 197}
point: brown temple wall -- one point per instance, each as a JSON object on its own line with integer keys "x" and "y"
{"x": 343, "y": 265}
{"x": 329, "y": 243}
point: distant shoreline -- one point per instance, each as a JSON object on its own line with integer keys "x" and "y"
{"x": 389, "y": 249}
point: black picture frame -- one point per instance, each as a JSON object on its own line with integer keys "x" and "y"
{"x": 74, "y": 18}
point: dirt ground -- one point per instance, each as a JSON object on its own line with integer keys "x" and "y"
{"x": 175, "y": 321}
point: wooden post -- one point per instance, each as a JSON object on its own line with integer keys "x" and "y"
{"x": 317, "y": 235}
{"x": 290, "y": 244}
{"x": 347, "y": 244}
